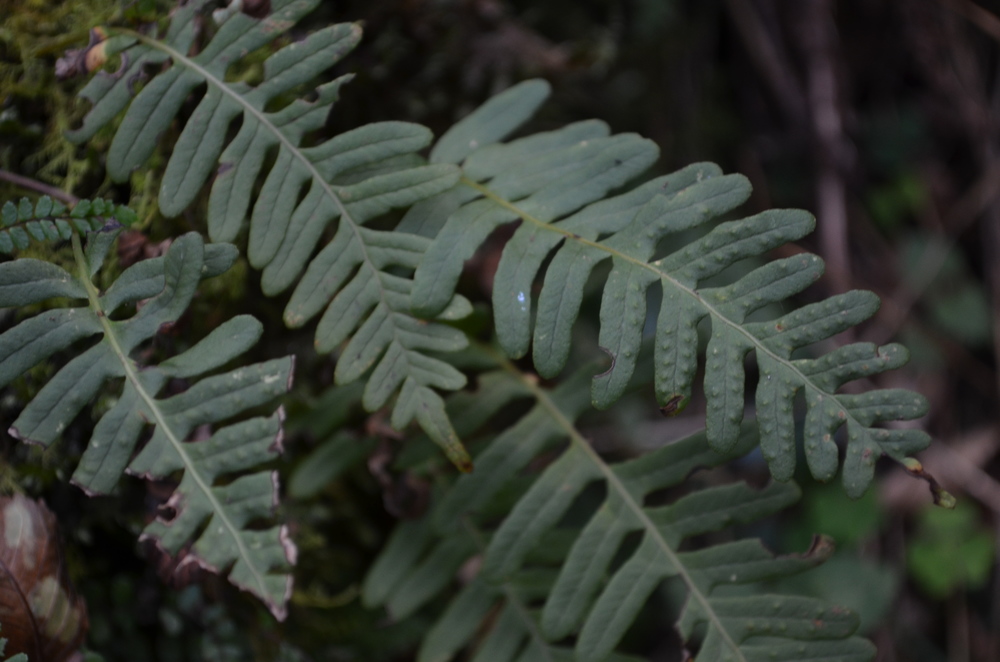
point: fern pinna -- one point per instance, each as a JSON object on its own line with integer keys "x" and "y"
{"x": 544, "y": 579}
{"x": 359, "y": 279}
{"x": 49, "y": 220}
{"x": 218, "y": 515}
{"x": 555, "y": 183}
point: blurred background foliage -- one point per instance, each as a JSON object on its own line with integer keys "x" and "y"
{"x": 880, "y": 116}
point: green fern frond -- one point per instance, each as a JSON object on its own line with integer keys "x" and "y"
{"x": 349, "y": 179}
{"x": 555, "y": 183}
{"x": 49, "y": 220}
{"x": 589, "y": 592}
{"x": 218, "y": 515}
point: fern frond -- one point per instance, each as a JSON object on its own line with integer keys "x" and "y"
{"x": 218, "y": 515}
{"x": 50, "y": 220}
{"x": 549, "y": 580}
{"x": 348, "y": 180}
{"x": 555, "y": 183}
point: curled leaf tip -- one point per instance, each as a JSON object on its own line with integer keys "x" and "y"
{"x": 822, "y": 548}
{"x": 614, "y": 360}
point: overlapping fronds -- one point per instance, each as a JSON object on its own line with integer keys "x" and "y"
{"x": 208, "y": 504}
{"x": 49, "y": 220}
{"x": 556, "y": 184}
{"x": 293, "y": 193}
{"x": 568, "y": 588}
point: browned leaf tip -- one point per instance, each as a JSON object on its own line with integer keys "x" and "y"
{"x": 821, "y": 548}
{"x": 81, "y": 61}
{"x": 40, "y": 611}
{"x": 674, "y": 405}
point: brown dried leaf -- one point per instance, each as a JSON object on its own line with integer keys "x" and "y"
{"x": 40, "y": 611}
{"x": 81, "y": 61}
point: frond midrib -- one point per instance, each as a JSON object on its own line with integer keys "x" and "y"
{"x": 615, "y": 484}
{"x": 510, "y": 594}
{"x": 690, "y": 292}
{"x": 160, "y": 420}
{"x": 263, "y": 120}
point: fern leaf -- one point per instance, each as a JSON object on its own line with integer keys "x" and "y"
{"x": 348, "y": 180}
{"x": 555, "y": 184}
{"x": 50, "y": 220}
{"x": 542, "y": 581}
{"x": 215, "y": 515}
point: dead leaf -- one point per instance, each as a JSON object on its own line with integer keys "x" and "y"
{"x": 82, "y": 61}
{"x": 40, "y": 612}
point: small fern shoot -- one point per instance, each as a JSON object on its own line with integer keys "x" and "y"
{"x": 216, "y": 514}
{"x": 50, "y": 220}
